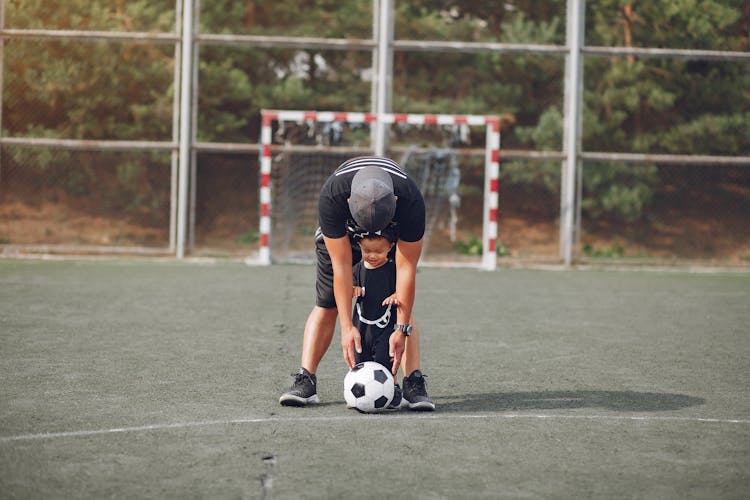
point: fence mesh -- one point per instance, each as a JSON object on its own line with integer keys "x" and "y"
{"x": 225, "y": 205}
{"x": 689, "y": 213}
{"x": 51, "y": 196}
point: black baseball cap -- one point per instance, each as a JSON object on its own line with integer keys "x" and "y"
{"x": 372, "y": 201}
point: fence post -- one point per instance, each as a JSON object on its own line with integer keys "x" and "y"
{"x": 572, "y": 125}
{"x": 2, "y": 71}
{"x": 385, "y": 72}
{"x": 186, "y": 69}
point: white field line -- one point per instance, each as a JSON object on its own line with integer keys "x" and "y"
{"x": 364, "y": 418}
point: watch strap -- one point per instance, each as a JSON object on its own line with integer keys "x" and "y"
{"x": 405, "y": 329}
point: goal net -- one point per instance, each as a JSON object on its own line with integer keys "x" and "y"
{"x": 300, "y": 149}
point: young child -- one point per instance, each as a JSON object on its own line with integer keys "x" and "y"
{"x": 374, "y": 312}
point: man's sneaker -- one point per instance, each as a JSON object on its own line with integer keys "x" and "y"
{"x": 415, "y": 393}
{"x": 303, "y": 391}
{"x": 398, "y": 401}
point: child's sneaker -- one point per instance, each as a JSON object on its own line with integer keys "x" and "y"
{"x": 303, "y": 391}
{"x": 398, "y": 401}
{"x": 415, "y": 393}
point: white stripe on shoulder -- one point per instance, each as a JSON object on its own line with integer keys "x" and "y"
{"x": 367, "y": 161}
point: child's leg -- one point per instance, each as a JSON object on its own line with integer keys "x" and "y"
{"x": 368, "y": 350}
{"x": 380, "y": 350}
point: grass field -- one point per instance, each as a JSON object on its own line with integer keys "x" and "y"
{"x": 144, "y": 379}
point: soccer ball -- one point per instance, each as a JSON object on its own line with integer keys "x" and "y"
{"x": 368, "y": 387}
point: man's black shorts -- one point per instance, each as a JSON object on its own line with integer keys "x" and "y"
{"x": 324, "y": 278}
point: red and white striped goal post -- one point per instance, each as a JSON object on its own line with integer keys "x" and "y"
{"x": 491, "y": 175}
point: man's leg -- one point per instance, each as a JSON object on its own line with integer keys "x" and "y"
{"x": 410, "y": 360}
{"x": 317, "y": 337}
{"x": 318, "y": 332}
{"x": 315, "y": 342}
{"x": 414, "y": 387}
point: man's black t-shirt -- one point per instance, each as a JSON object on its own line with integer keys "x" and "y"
{"x": 334, "y": 215}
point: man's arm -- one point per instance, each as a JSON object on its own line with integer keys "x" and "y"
{"x": 340, "y": 250}
{"x": 407, "y": 257}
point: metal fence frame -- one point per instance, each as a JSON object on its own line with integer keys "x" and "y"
{"x": 187, "y": 40}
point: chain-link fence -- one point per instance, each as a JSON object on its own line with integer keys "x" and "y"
{"x": 88, "y": 159}
{"x": 54, "y": 199}
{"x": 226, "y": 205}
{"x": 674, "y": 213}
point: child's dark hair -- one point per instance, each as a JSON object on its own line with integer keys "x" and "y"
{"x": 388, "y": 233}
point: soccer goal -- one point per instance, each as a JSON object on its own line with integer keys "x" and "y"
{"x": 300, "y": 149}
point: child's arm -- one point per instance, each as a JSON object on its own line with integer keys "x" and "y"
{"x": 358, "y": 288}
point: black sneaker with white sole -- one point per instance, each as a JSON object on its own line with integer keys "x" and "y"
{"x": 303, "y": 391}
{"x": 415, "y": 393}
{"x": 398, "y": 400}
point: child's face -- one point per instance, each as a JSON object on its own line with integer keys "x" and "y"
{"x": 375, "y": 250}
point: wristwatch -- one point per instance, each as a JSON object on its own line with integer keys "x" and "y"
{"x": 405, "y": 329}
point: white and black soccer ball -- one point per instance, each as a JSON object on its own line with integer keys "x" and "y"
{"x": 368, "y": 387}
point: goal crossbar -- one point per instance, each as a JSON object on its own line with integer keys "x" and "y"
{"x": 491, "y": 174}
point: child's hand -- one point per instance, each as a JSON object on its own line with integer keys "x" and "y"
{"x": 392, "y": 300}
{"x": 358, "y": 291}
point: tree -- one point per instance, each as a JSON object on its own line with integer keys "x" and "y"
{"x": 91, "y": 90}
{"x": 99, "y": 90}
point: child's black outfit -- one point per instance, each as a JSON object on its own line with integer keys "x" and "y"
{"x": 375, "y": 321}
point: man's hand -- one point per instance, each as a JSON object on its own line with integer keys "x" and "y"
{"x": 391, "y": 300}
{"x": 351, "y": 341}
{"x": 396, "y": 347}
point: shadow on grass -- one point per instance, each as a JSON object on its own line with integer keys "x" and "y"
{"x": 558, "y": 400}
